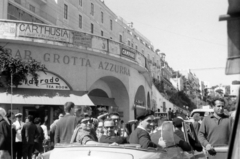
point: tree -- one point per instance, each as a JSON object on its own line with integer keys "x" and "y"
{"x": 18, "y": 69}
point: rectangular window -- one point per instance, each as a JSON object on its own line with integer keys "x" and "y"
{"x": 132, "y": 45}
{"x": 136, "y": 47}
{"x": 80, "y": 3}
{"x": 32, "y": 8}
{"x": 129, "y": 43}
{"x": 80, "y": 22}
{"x": 92, "y": 9}
{"x": 65, "y": 11}
{"x": 111, "y": 24}
{"x": 92, "y": 28}
{"x": 102, "y": 17}
{"x": 101, "y": 33}
{"x": 120, "y": 38}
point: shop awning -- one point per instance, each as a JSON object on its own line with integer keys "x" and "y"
{"x": 103, "y": 101}
{"x": 44, "y": 97}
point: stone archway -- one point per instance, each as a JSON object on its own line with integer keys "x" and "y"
{"x": 113, "y": 88}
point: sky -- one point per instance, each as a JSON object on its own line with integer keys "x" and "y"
{"x": 187, "y": 31}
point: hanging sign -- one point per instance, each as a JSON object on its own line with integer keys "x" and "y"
{"x": 45, "y": 81}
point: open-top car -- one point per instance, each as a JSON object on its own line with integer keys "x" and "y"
{"x": 126, "y": 151}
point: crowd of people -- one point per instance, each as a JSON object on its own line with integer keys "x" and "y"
{"x": 76, "y": 126}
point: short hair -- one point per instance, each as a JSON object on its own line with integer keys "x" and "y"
{"x": 196, "y": 117}
{"x": 218, "y": 99}
{"x": 30, "y": 118}
{"x": 37, "y": 120}
{"x": 68, "y": 106}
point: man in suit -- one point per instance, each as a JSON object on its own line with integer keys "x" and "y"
{"x": 66, "y": 125}
{"x": 29, "y": 132}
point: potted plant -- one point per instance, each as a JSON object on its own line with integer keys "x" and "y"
{"x": 18, "y": 69}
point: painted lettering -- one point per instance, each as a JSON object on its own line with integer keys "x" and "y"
{"x": 28, "y": 55}
{"x": 66, "y": 60}
{"x": 46, "y": 57}
{"x": 100, "y": 65}
{"x": 82, "y": 60}
{"x": 18, "y": 54}
{"x": 56, "y": 58}
{"x": 116, "y": 68}
{"x": 106, "y": 66}
{"x": 74, "y": 60}
{"x": 88, "y": 63}
{"x": 111, "y": 69}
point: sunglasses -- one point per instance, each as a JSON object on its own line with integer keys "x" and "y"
{"x": 87, "y": 121}
{"x": 109, "y": 127}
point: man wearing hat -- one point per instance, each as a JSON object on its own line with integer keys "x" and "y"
{"x": 83, "y": 133}
{"x": 18, "y": 125}
{"x": 141, "y": 135}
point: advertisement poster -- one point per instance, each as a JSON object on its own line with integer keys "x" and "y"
{"x": 82, "y": 39}
{"x": 44, "y": 32}
{"x": 99, "y": 43}
{"x": 114, "y": 48}
{"x": 7, "y": 29}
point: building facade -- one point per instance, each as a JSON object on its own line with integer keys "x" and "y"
{"x": 88, "y": 51}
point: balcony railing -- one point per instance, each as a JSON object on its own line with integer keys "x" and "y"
{"x": 66, "y": 37}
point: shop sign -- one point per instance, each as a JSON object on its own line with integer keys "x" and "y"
{"x": 99, "y": 43}
{"x": 82, "y": 39}
{"x": 45, "y": 81}
{"x": 114, "y": 48}
{"x": 128, "y": 53}
{"x": 7, "y": 29}
{"x": 141, "y": 60}
{"x": 44, "y": 32}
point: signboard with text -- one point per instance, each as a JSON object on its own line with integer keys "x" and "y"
{"x": 114, "y": 48}
{"x": 128, "y": 53}
{"x": 45, "y": 81}
{"x": 82, "y": 39}
{"x": 7, "y": 29}
{"x": 44, "y": 32}
{"x": 99, "y": 43}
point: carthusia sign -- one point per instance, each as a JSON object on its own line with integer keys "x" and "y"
{"x": 44, "y": 32}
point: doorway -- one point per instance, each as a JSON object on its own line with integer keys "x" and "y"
{"x": 38, "y": 111}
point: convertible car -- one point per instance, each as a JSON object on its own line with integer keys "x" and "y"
{"x": 126, "y": 151}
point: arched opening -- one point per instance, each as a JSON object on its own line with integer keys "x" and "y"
{"x": 98, "y": 93}
{"x": 115, "y": 94}
{"x": 140, "y": 102}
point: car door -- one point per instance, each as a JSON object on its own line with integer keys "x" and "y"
{"x": 189, "y": 131}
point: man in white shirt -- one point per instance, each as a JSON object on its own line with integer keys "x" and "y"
{"x": 18, "y": 125}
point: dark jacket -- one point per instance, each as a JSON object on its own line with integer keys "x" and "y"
{"x": 112, "y": 139}
{"x": 40, "y": 137}
{"x": 5, "y": 136}
{"x": 64, "y": 129}
{"x": 29, "y": 133}
{"x": 142, "y": 137}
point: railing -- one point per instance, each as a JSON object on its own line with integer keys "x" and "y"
{"x": 66, "y": 37}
